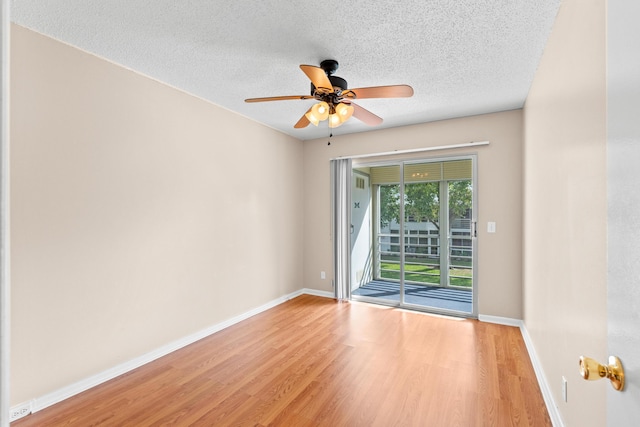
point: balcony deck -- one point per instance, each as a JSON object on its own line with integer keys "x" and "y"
{"x": 425, "y": 296}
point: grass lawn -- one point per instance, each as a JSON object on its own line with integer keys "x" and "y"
{"x": 427, "y": 274}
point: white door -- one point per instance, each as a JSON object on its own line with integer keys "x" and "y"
{"x": 623, "y": 192}
{"x": 360, "y": 229}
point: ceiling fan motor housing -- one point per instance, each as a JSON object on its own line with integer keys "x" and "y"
{"x": 335, "y": 82}
{"x": 330, "y": 66}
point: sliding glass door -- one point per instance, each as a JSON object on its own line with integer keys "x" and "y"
{"x": 422, "y": 246}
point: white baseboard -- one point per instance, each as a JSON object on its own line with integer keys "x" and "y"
{"x": 325, "y": 294}
{"x": 552, "y": 408}
{"x": 508, "y": 321}
{"x": 35, "y": 405}
{"x": 550, "y": 403}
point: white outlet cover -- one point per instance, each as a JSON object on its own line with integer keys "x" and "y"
{"x": 20, "y": 411}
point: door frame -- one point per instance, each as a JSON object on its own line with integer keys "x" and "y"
{"x": 474, "y": 240}
{"x": 367, "y": 177}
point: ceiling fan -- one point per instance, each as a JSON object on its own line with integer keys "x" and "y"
{"x": 335, "y": 99}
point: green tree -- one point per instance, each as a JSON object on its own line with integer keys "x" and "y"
{"x": 389, "y": 204}
{"x": 460, "y": 196}
{"x": 422, "y": 201}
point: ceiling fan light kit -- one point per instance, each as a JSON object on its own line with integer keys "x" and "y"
{"x": 318, "y": 113}
{"x": 336, "y": 115}
{"x": 344, "y": 111}
{"x": 335, "y": 100}
{"x": 334, "y": 120}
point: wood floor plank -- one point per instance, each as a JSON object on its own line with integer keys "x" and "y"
{"x": 313, "y": 361}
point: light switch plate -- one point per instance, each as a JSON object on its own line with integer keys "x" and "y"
{"x": 491, "y": 227}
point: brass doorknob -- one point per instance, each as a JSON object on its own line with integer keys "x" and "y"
{"x": 590, "y": 370}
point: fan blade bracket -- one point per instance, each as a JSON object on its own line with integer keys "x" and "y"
{"x": 279, "y": 98}
{"x": 393, "y": 91}
{"x": 347, "y": 94}
{"x": 320, "y": 91}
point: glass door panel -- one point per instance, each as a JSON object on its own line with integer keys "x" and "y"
{"x": 460, "y": 234}
{"x": 422, "y": 233}
{"x": 422, "y": 236}
{"x": 437, "y": 229}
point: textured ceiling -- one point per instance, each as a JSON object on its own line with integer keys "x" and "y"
{"x": 462, "y": 57}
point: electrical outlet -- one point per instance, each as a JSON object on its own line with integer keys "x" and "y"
{"x": 20, "y": 411}
{"x": 564, "y": 389}
{"x": 323, "y": 275}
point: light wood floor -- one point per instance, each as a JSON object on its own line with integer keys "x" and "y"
{"x": 315, "y": 362}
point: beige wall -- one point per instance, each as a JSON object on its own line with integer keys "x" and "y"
{"x": 140, "y": 214}
{"x": 565, "y": 244}
{"x": 499, "y": 198}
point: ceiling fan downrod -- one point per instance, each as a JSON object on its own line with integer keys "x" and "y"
{"x": 329, "y": 66}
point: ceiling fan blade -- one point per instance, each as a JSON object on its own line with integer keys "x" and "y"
{"x": 303, "y": 122}
{"x": 364, "y": 115}
{"x": 318, "y": 77}
{"x": 279, "y": 98}
{"x": 395, "y": 91}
